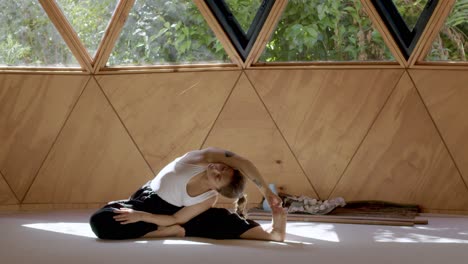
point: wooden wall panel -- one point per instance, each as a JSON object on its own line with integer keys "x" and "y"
{"x": 168, "y": 114}
{"x": 245, "y": 127}
{"x": 33, "y": 109}
{"x": 403, "y": 159}
{"x": 6, "y": 195}
{"x": 324, "y": 114}
{"x": 446, "y": 95}
{"x": 94, "y": 159}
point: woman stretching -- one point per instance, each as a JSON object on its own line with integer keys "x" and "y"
{"x": 179, "y": 200}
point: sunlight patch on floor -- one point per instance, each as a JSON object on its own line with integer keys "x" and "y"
{"x": 325, "y": 232}
{"x": 184, "y": 242}
{"x": 77, "y": 229}
{"x": 389, "y": 236}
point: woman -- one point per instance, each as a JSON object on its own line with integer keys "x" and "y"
{"x": 179, "y": 200}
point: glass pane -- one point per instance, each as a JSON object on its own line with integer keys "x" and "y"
{"x": 166, "y": 32}
{"x": 244, "y": 11}
{"x": 410, "y": 10}
{"x": 89, "y": 18}
{"x": 452, "y": 42}
{"x": 318, "y": 30}
{"x": 28, "y": 37}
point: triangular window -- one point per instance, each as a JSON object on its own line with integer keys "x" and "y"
{"x": 451, "y": 44}
{"x": 89, "y": 18}
{"x": 235, "y": 16}
{"x": 166, "y": 32}
{"x": 244, "y": 11}
{"x": 327, "y": 31}
{"x": 28, "y": 37}
{"x": 399, "y": 19}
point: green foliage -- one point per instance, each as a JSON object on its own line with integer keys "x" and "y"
{"x": 11, "y": 50}
{"x": 162, "y": 32}
{"x": 244, "y": 11}
{"x": 452, "y": 42}
{"x": 168, "y": 32}
{"x": 319, "y": 30}
{"x": 89, "y": 18}
{"x": 410, "y": 10}
{"x": 27, "y": 37}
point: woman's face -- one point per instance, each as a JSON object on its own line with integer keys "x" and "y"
{"x": 219, "y": 175}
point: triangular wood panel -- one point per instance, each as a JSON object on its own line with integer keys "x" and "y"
{"x": 33, "y": 109}
{"x": 446, "y": 95}
{"x": 93, "y": 160}
{"x": 403, "y": 159}
{"x": 245, "y": 127}
{"x": 168, "y": 114}
{"x": 6, "y": 195}
{"x": 324, "y": 114}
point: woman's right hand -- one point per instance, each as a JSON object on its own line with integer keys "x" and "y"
{"x": 273, "y": 200}
{"x": 128, "y": 216}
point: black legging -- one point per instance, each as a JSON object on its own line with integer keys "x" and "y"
{"x": 217, "y": 223}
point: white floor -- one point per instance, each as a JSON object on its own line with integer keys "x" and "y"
{"x": 65, "y": 237}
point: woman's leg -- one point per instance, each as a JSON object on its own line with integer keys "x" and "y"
{"x": 167, "y": 231}
{"x": 220, "y": 223}
{"x": 277, "y": 231}
{"x": 105, "y": 226}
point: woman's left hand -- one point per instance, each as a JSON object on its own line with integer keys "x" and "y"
{"x": 127, "y": 215}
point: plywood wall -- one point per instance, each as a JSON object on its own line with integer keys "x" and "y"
{"x": 375, "y": 134}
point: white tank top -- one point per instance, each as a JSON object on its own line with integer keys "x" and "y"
{"x": 171, "y": 183}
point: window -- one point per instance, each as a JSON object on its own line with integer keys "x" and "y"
{"x": 28, "y": 37}
{"x": 89, "y": 18}
{"x": 244, "y": 11}
{"x": 410, "y": 10}
{"x": 166, "y": 32}
{"x": 318, "y": 30}
{"x": 451, "y": 44}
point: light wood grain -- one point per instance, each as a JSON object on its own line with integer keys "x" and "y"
{"x": 324, "y": 114}
{"x": 42, "y": 70}
{"x": 245, "y": 127}
{"x": 168, "y": 68}
{"x": 338, "y": 221}
{"x": 6, "y": 195}
{"x": 452, "y": 65}
{"x": 168, "y": 114}
{"x": 445, "y": 94}
{"x": 403, "y": 159}
{"x": 343, "y": 65}
{"x": 94, "y": 160}
{"x": 33, "y": 108}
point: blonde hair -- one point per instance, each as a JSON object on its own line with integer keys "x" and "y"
{"x": 241, "y": 205}
{"x": 235, "y": 190}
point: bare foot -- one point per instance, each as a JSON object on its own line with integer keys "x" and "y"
{"x": 278, "y": 231}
